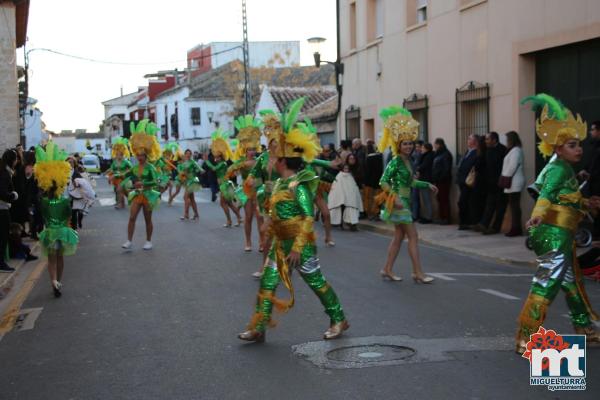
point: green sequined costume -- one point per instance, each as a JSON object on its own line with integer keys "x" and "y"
{"x": 226, "y": 187}
{"x": 149, "y": 178}
{"x": 118, "y": 170}
{"x": 57, "y": 238}
{"x": 559, "y": 205}
{"x": 187, "y": 176}
{"x": 397, "y": 179}
{"x": 264, "y": 180}
{"x": 292, "y": 218}
{"x": 165, "y": 169}
{"x": 240, "y": 167}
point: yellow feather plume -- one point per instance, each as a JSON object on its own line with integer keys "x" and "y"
{"x": 296, "y": 139}
{"x": 52, "y": 172}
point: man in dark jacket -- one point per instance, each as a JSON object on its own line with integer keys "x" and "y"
{"x": 442, "y": 178}
{"x": 495, "y": 204}
{"x": 373, "y": 172}
{"x": 591, "y": 168}
{"x": 467, "y": 162}
{"x": 8, "y": 195}
{"x": 423, "y": 173}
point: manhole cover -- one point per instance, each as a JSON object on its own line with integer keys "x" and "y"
{"x": 370, "y": 353}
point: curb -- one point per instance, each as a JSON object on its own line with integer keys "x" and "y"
{"x": 508, "y": 261}
{"x": 9, "y": 281}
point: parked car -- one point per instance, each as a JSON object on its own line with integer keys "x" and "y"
{"x": 91, "y": 163}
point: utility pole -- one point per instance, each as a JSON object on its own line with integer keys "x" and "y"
{"x": 246, "y": 60}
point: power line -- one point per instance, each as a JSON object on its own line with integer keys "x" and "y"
{"x": 60, "y": 53}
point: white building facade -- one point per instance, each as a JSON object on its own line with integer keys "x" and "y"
{"x": 34, "y": 127}
{"x": 197, "y": 118}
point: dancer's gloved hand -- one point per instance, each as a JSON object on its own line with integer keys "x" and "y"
{"x": 293, "y": 259}
{"x": 533, "y": 222}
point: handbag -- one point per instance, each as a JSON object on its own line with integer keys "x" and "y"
{"x": 505, "y": 182}
{"x": 471, "y": 178}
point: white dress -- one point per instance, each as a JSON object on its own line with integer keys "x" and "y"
{"x": 344, "y": 192}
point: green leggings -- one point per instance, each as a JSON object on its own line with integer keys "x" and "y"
{"x": 539, "y": 299}
{"x": 315, "y": 280}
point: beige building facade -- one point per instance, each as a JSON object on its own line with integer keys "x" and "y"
{"x": 13, "y": 26}
{"x": 462, "y": 66}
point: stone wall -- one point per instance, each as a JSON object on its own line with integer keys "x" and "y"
{"x": 9, "y": 96}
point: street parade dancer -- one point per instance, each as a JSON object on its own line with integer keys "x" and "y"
{"x": 221, "y": 151}
{"x": 53, "y": 173}
{"x": 142, "y": 179}
{"x": 326, "y": 178}
{"x": 245, "y": 159}
{"x": 400, "y": 130}
{"x": 262, "y": 177}
{"x": 554, "y": 220}
{"x": 166, "y": 166}
{"x": 187, "y": 178}
{"x": 292, "y": 227}
{"x": 119, "y": 166}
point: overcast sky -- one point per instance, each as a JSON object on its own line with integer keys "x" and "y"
{"x": 70, "y": 91}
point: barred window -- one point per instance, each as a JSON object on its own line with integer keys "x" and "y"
{"x": 472, "y": 113}
{"x": 418, "y": 105}
{"x": 195, "y": 115}
{"x": 353, "y": 123}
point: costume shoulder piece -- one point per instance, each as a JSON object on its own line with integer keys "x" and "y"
{"x": 556, "y": 124}
{"x": 398, "y": 126}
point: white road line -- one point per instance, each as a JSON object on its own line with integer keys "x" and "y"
{"x": 104, "y": 202}
{"x": 499, "y": 294}
{"x": 441, "y": 276}
{"x": 448, "y": 274}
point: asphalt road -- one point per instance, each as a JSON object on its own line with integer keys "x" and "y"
{"x": 162, "y": 324}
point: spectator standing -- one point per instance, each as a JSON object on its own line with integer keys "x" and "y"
{"x": 19, "y": 209}
{"x": 7, "y": 196}
{"x": 466, "y": 165}
{"x": 359, "y": 152}
{"x": 442, "y": 178}
{"x": 373, "y": 172}
{"x": 345, "y": 149}
{"x": 479, "y": 192}
{"x": 495, "y": 203}
{"x": 591, "y": 169}
{"x": 415, "y": 160}
{"x": 424, "y": 172}
{"x": 512, "y": 167}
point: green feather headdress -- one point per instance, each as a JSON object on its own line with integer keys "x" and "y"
{"x": 271, "y": 124}
{"x": 248, "y": 134}
{"x": 120, "y": 144}
{"x": 556, "y": 124}
{"x": 398, "y": 126}
{"x": 220, "y": 144}
{"x": 298, "y": 139}
{"x": 143, "y": 139}
{"x": 51, "y": 169}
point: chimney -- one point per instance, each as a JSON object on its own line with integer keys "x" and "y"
{"x": 121, "y": 90}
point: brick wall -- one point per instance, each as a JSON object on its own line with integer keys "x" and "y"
{"x": 9, "y": 97}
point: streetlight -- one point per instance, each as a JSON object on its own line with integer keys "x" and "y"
{"x": 315, "y": 43}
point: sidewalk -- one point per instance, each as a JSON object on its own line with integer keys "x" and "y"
{"x": 7, "y": 280}
{"x": 497, "y": 248}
